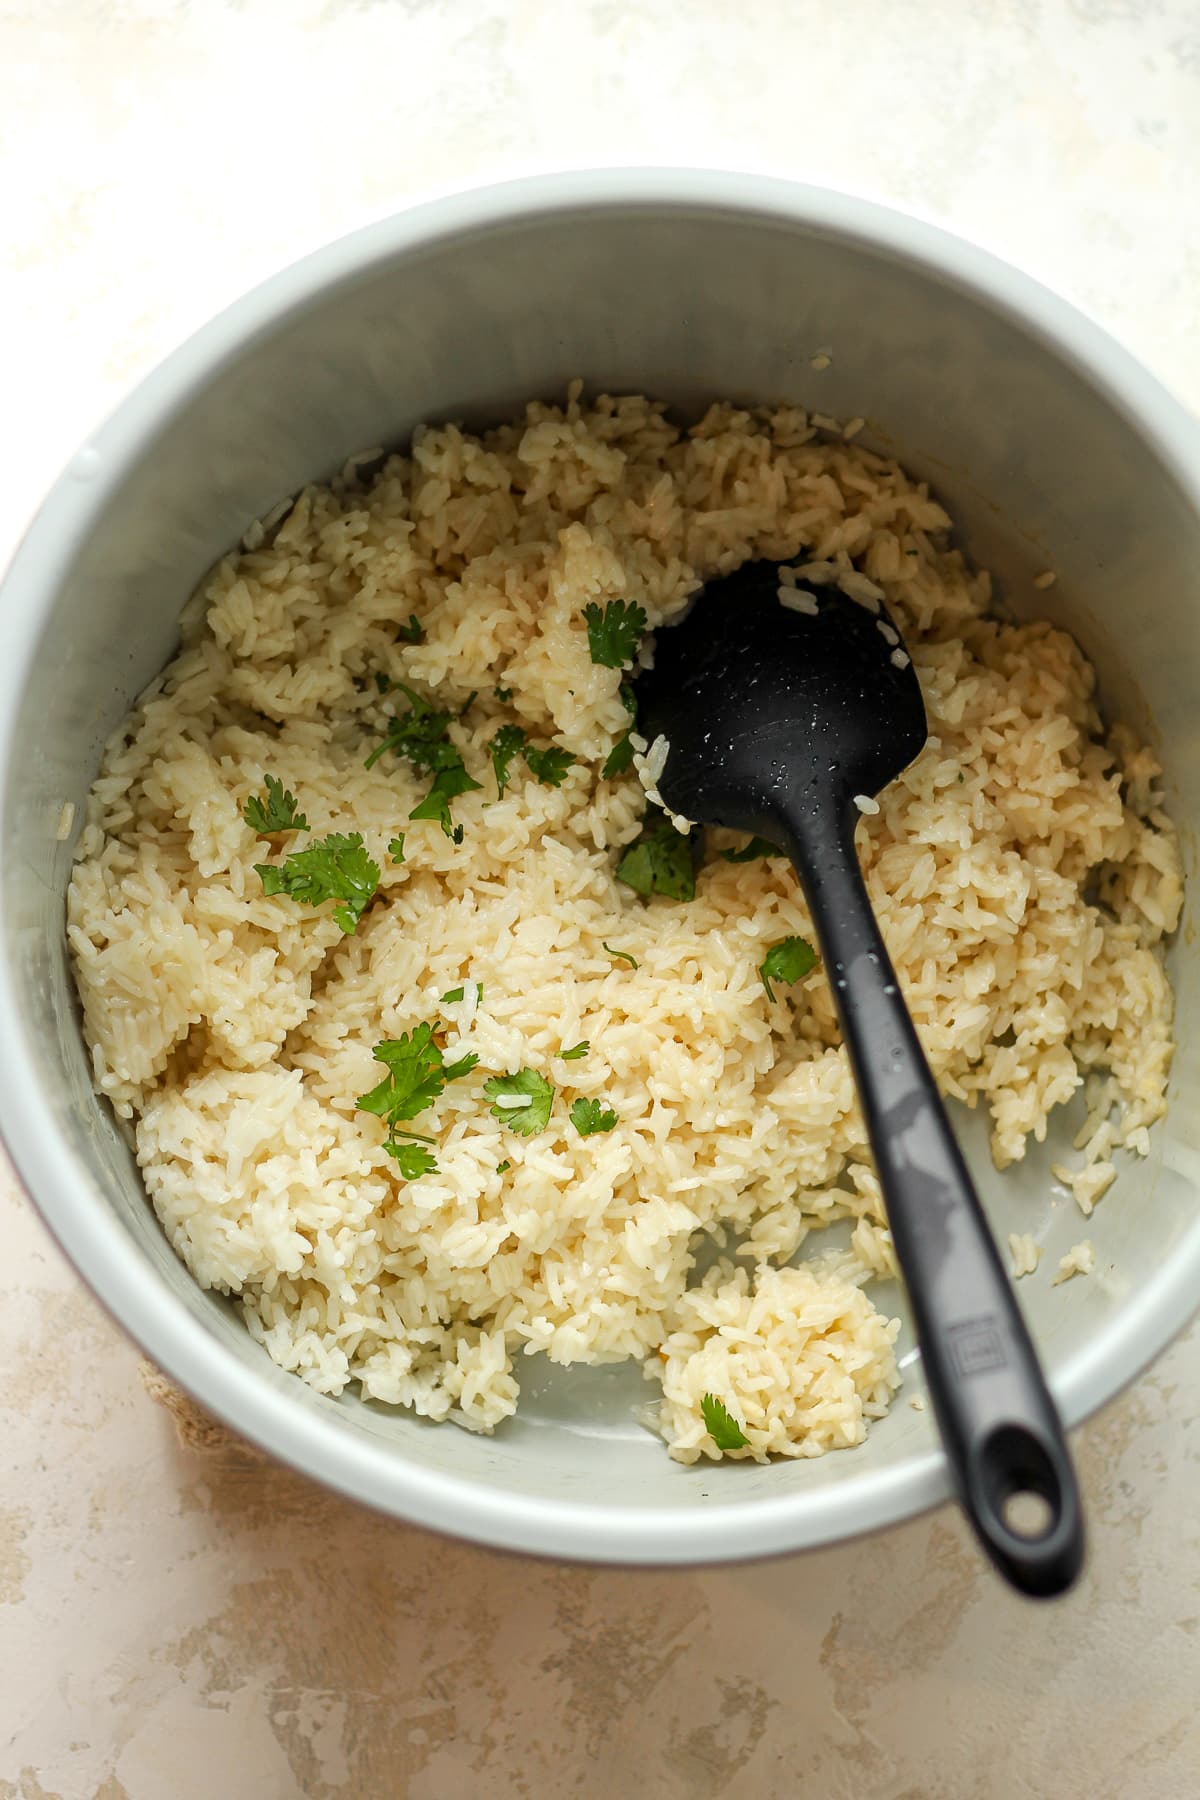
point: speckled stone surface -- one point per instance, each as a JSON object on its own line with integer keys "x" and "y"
{"x": 179, "y": 1623}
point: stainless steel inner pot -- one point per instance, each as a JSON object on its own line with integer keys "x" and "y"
{"x": 1050, "y": 445}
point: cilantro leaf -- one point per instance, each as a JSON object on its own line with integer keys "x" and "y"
{"x": 614, "y": 633}
{"x": 502, "y": 1168}
{"x": 619, "y": 760}
{"x": 591, "y": 1116}
{"x": 412, "y": 633}
{"x": 383, "y": 682}
{"x": 414, "y": 1080}
{"x": 722, "y": 1428}
{"x": 396, "y": 847}
{"x": 276, "y": 813}
{"x": 412, "y": 1159}
{"x": 575, "y": 1052}
{"x": 419, "y": 734}
{"x": 788, "y": 960}
{"x": 451, "y": 995}
{"x": 503, "y": 747}
{"x": 531, "y": 1114}
{"x": 751, "y": 852}
{"x": 416, "y": 1076}
{"x": 334, "y": 868}
{"x": 550, "y": 765}
{"x": 659, "y": 862}
{"x": 547, "y": 766}
{"x": 503, "y": 694}
{"x": 620, "y": 955}
{"x": 448, "y": 784}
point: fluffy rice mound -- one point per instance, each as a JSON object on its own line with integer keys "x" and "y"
{"x": 1022, "y": 870}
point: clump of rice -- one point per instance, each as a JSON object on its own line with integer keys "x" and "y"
{"x": 1079, "y": 1260}
{"x": 649, "y": 761}
{"x": 799, "y": 1357}
{"x": 1026, "y": 1253}
{"x": 234, "y": 1031}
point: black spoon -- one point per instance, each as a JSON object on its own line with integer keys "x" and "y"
{"x": 777, "y": 716}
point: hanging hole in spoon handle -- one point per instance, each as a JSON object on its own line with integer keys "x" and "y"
{"x": 1001, "y": 1430}
{"x": 1025, "y": 1505}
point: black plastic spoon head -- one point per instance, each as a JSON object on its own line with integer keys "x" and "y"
{"x": 760, "y": 696}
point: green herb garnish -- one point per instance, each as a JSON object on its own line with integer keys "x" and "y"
{"x": 530, "y": 1114}
{"x": 591, "y": 1116}
{"x": 416, "y": 1075}
{"x": 412, "y": 1159}
{"x": 751, "y": 852}
{"x": 614, "y": 633}
{"x": 503, "y": 1168}
{"x": 723, "y": 1429}
{"x": 620, "y": 955}
{"x": 659, "y": 862}
{"x": 448, "y": 784}
{"x": 620, "y": 758}
{"x": 396, "y": 847}
{"x": 788, "y": 960}
{"x": 550, "y": 765}
{"x": 334, "y": 868}
{"x": 575, "y": 1052}
{"x": 276, "y": 811}
{"x": 412, "y": 633}
{"x": 503, "y": 694}
{"x": 419, "y": 734}
{"x": 547, "y": 766}
{"x": 503, "y": 747}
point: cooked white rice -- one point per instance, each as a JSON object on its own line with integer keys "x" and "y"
{"x": 1026, "y": 1253}
{"x": 1079, "y": 1260}
{"x": 234, "y": 1031}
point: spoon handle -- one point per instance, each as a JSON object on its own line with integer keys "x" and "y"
{"x": 999, "y": 1425}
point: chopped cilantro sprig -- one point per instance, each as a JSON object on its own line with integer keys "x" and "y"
{"x": 274, "y": 811}
{"x": 619, "y": 760}
{"x": 591, "y": 1116}
{"x": 421, "y": 736}
{"x": 548, "y": 765}
{"x": 417, "y": 1073}
{"x": 521, "y": 1101}
{"x": 506, "y": 744}
{"x": 659, "y": 861}
{"x": 788, "y": 960}
{"x": 721, "y": 1426}
{"x": 334, "y": 868}
{"x": 614, "y": 632}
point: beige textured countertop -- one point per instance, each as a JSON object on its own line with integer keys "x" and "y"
{"x": 177, "y": 1623}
